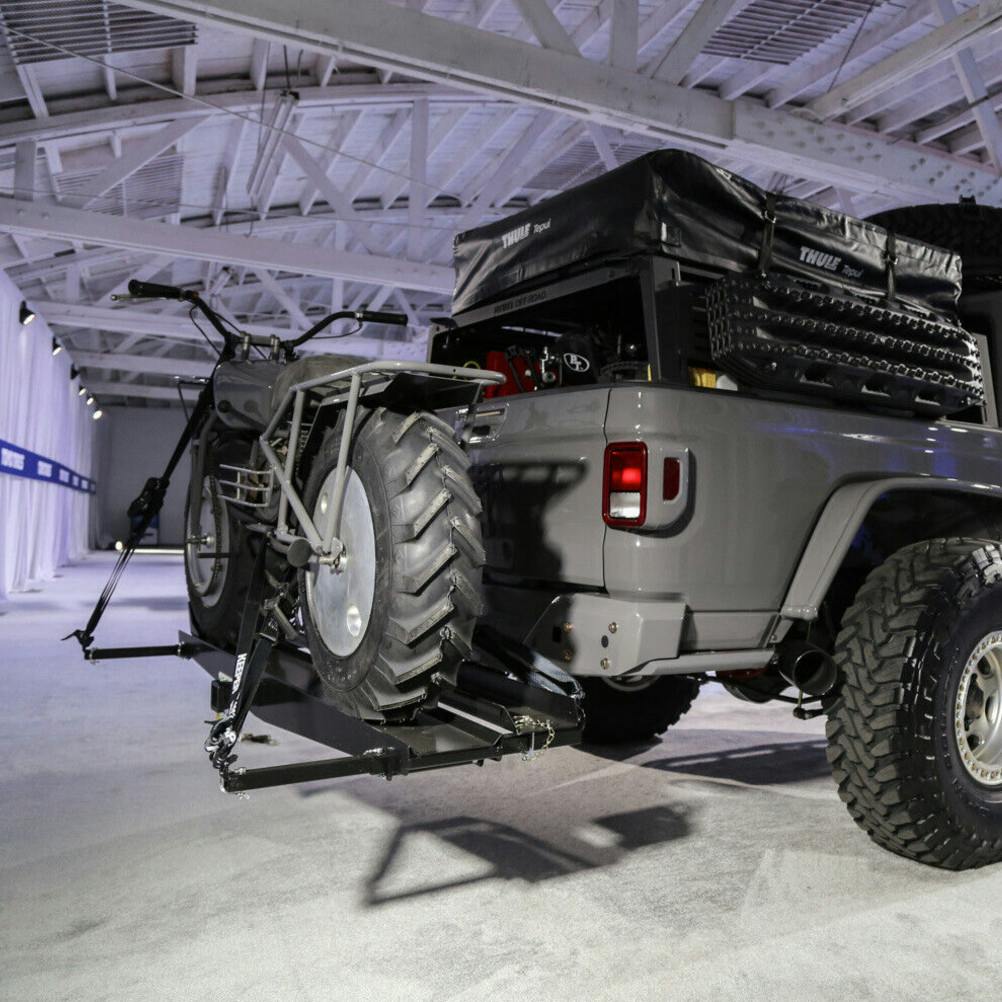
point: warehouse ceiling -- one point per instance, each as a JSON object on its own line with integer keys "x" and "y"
{"x": 286, "y": 159}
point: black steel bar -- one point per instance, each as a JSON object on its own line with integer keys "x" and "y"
{"x": 387, "y": 762}
{"x": 155, "y": 651}
{"x": 381, "y": 762}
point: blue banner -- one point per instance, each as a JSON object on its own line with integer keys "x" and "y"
{"x": 20, "y": 462}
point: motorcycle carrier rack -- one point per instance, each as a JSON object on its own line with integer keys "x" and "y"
{"x": 345, "y": 389}
{"x": 508, "y": 700}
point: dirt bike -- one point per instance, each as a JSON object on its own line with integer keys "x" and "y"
{"x": 327, "y": 507}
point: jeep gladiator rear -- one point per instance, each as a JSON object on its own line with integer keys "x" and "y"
{"x": 748, "y": 440}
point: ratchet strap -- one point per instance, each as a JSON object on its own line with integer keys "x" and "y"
{"x": 891, "y": 260}
{"x": 768, "y": 234}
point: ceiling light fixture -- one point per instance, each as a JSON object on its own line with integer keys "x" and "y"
{"x": 97, "y": 414}
{"x": 82, "y": 390}
{"x": 26, "y": 314}
{"x": 56, "y": 347}
{"x": 279, "y": 118}
{"x": 90, "y": 401}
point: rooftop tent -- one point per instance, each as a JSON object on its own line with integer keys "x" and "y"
{"x": 676, "y": 204}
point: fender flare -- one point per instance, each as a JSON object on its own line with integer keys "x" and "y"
{"x": 837, "y": 526}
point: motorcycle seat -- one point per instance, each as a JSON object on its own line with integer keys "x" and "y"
{"x": 310, "y": 367}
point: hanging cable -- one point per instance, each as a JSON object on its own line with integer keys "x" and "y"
{"x": 852, "y": 44}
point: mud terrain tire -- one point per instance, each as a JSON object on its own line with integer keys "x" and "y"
{"x": 908, "y": 651}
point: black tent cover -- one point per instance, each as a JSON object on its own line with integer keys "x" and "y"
{"x": 674, "y": 203}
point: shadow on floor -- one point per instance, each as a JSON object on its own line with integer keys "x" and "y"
{"x": 512, "y": 854}
{"x": 502, "y": 847}
{"x": 756, "y": 765}
{"x": 153, "y": 603}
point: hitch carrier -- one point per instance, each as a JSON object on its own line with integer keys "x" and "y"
{"x": 508, "y": 700}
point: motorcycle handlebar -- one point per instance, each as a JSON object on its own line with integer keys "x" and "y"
{"x": 379, "y": 317}
{"x": 153, "y": 290}
{"x": 360, "y": 316}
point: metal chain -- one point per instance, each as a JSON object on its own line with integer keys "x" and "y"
{"x": 525, "y": 723}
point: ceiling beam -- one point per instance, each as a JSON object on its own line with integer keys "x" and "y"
{"x": 184, "y": 68}
{"x": 331, "y": 194}
{"x": 110, "y": 83}
{"x": 624, "y": 35}
{"x": 346, "y": 123}
{"x": 543, "y": 23}
{"x": 283, "y": 299}
{"x": 35, "y": 219}
{"x": 975, "y": 90}
{"x": 375, "y": 153}
{"x": 26, "y": 169}
{"x": 246, "y": 102}
{"x": 443, "y": 128}
{"x": 419, "y": 176}
{"x": 259, "y": 63}
{"x": 323, "y": 67}
{"x": 149, "y": 364}
{"x": 513, "y": 162}
{"x": 400, "y": 39}
{"x": 224, "y": 183}
{"x": 709, "y": 16}
{"x": 103, "y": 390}
{"x": 977, "y": 23}
{"x": 322, "y": 224}
{"x": 792, "y": 83}
{"x": 33, "y": 93}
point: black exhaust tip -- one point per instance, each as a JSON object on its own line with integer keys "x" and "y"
{"x": 808, "y": 668}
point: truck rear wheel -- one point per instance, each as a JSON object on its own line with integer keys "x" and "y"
{"x": 620, "y": 712}
{"x": 915, "y": 737}
{"x": 388, "y": 626}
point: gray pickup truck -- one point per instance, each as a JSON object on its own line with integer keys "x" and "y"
{"x": 678, "y": 429}
{"x": 747, "y": 439}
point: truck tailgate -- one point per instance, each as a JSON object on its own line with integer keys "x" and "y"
{"x": 537, "y": 462}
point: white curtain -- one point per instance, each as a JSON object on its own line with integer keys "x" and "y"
{"x": 42, "y": 525}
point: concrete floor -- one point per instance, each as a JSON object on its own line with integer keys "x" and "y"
{"x": 717, "y": 864}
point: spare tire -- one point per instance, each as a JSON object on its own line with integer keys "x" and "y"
{"x": 388, "y": 625}
{"x": 967, "y": 229}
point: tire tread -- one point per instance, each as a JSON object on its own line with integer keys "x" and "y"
{"x": 882, "y": 764}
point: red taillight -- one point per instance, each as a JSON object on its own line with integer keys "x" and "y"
{"x": 624, "y": 484}
{"x": 672, "y": 479}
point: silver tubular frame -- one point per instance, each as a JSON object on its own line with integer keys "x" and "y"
{"x": 361, "y": 380}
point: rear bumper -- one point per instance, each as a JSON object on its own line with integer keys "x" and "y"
{"x": 592, "y": 634}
